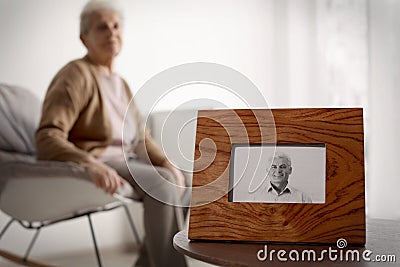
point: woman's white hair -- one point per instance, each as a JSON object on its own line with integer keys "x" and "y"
{"x": 93, "y": 6}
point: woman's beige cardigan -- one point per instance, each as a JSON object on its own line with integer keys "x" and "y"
{"x": 75, "y": 124}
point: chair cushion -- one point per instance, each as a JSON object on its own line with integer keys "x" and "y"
{"x": 6, "y": 156}
{"x": 19, "y": 118}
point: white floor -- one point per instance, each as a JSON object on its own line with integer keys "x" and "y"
{"x": 110, "y": 257}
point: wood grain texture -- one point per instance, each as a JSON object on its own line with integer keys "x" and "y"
{"x": 212, "y": 217}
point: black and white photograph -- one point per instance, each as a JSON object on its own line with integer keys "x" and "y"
{"x": 278, "y": 173}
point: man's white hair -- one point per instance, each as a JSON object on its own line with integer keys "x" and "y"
{"x": 281, "y": 155}
{"x": 93, "y": 6}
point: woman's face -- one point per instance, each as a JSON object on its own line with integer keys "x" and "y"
{"x": 104, "y": 39}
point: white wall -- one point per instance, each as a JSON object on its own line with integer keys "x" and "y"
{"x": 384, "y": 144}
{"x": 43, "y": 35}
{"x": 298, "y": 52}
{"x": 38, "y": 38}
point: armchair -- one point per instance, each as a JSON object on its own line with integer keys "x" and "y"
{"x": 40, "y": 193}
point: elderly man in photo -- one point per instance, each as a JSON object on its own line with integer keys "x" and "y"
{"x": 279, "y": 190}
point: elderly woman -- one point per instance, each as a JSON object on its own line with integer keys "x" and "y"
{"x": 82, "y": 122}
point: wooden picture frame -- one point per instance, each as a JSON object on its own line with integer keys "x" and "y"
{"x": 213, "y": 217}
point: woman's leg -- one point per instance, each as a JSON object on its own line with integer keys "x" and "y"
{"x": 160, "y": 219}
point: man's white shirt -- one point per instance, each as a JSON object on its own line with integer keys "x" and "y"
{"x": 287, "y": 195}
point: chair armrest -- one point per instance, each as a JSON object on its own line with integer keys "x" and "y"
{"x": 45, "y": 191}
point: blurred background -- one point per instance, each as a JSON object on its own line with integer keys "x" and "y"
{"x": 299, "y": 53}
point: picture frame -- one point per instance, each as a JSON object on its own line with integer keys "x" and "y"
{"x": 342, "y": 213}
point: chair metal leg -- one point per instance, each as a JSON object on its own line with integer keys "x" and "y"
{"x": 25, "y": 259}
{"x": 94, "y": 241}
{"x": 135, "y": 233}
{"x": 6, "y": 227}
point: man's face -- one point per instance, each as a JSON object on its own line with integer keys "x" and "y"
{"x": 280, "y": 171}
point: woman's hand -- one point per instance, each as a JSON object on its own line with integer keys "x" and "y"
{"x": 103, "y": 176}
